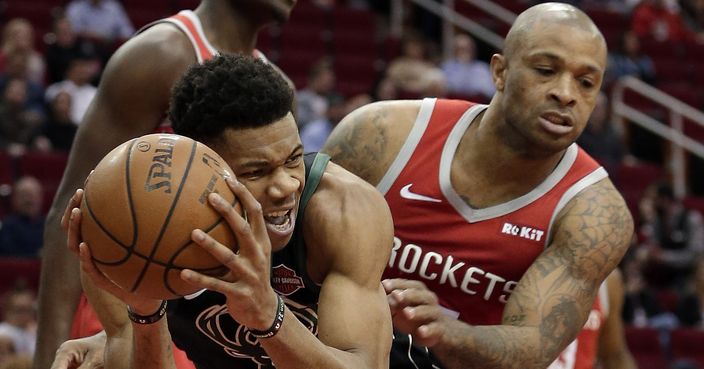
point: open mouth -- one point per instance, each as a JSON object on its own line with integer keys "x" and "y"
{"x": 280, "y": 222}
{"x": 556, "y": 124}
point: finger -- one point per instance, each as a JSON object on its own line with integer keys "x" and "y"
{"x": 429, "y": 335}
{"x": 251, "y": 206}
{"x": 423, "y": 314}
{"x": 220, "y": 252}
{"x": 206, "y": 282}
{"x": 401, "y": 284}
{"x": 74, "y": 202}
{"x": 74, "y": 230}
{"x": 88, "y": 266}
{"x": 240, "y": 226}
{"x": 413, "y": 297}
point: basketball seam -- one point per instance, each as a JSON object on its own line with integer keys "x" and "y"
{"x": 130, "y": 248}
{"x": 177, "y": 196}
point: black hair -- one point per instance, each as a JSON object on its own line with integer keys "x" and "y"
{"x": 228, "y": 91}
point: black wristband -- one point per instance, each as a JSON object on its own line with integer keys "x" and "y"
{"x": 147, "y": 319}
{"x": 276, "y": 325}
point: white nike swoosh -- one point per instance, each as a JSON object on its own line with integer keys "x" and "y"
{"x": 407, "y": 194}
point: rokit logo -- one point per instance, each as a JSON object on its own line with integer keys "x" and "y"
{"x": 526, "y": 232}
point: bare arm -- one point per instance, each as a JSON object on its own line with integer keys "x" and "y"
{"x": 613, "y": 351}
{"x": 130, "y": 102}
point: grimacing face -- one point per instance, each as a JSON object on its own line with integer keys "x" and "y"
{"x": 550, "y": 85}
{"x": 268, "y": 161}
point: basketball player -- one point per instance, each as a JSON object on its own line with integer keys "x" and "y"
{"x": 504, "y": 227}
{"x": 601, "y": 339}
{"x": 132, "y": 100}
{"x": 327, "y": 269}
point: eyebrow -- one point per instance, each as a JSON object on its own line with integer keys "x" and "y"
{"x": 263, "y": 163}
{"x": 556, "y": 58}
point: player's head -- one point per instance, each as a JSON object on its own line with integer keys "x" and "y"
{"x": 240, "y": 107}
{"x": 265, "y": 11}
{"x": 548, "y": 77}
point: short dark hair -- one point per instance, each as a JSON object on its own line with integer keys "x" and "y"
{"x": 228, "y": 91}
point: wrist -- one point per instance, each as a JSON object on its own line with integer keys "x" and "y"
{"x": 275, "y": 326}
{"x": 151, "y": 316}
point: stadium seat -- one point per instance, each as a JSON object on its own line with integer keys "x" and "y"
{"x": 644, "y": 344}
{"x": 18, "y": 270}
{"x": 687, "y": 344}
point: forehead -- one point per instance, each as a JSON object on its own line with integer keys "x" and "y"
{"x": 272, "y": 142}
{"x": 569, "y": 43}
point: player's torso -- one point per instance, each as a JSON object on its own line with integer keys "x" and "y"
{"x": 472, "y": 258}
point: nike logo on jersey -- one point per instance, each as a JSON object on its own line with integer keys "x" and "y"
{"x": 407, "y": 194}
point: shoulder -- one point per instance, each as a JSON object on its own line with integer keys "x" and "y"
{"x": 151, "y": 61}
{"x": 367, "y": 140}
{"x": 348, "y": 224}
{"x": 594, "y": 228}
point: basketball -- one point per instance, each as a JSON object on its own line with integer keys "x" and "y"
{"x": 140, "y": 205}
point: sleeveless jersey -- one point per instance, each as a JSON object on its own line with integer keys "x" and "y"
{"x": 187, "y": 22}
{"x": 471, "y": 258}
{"x": 201, "y": 325}
{"x": 581, "y": 353}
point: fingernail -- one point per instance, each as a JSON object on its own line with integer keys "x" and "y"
{"x": 198, "y": 235}
{"x": 216, "y": 199}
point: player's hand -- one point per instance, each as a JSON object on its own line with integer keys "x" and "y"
{"x": 82, "y": 353}
{"x": 415, "y": 311}
{"x": 72, "y": 207}
{"x": 250, "y": 298}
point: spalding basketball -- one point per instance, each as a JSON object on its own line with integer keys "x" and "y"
{"x": 140, "y": 205}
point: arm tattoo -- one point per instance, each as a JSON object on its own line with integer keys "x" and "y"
{"x": 358, "y": 144}
{"x": 551, "y": 303}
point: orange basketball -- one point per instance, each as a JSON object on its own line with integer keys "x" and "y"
{"x": 141, "y": 204}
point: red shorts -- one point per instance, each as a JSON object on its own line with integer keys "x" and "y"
{"x": 86, "y": 323}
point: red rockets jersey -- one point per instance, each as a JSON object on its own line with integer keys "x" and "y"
{"x": 471, "y": 258}
{"x": 581, "y": 353}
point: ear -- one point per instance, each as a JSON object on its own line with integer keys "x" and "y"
{"x": 498, "y": 71}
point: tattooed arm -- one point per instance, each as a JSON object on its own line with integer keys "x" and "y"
{"x": 367, "y": 140}
{"x": 551, "y": 302}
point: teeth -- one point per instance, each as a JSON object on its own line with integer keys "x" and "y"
{"x": 556, "y": 120}
{"x": 277, "y": 214}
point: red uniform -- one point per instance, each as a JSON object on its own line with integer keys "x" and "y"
{"x": 581, "y": 353}
{"x": 471, "y": 258}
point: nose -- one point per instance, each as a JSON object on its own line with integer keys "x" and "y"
{"x": 563, "y": 91}
{"x": 282, "y": 184}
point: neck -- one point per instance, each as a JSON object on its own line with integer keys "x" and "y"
{"x": 227, "y": 28}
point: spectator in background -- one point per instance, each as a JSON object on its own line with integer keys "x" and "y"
{"x": 7, "y": 348}
{"x": 18, "y": 125}
{"x": 601, "y": 140}
{"x": 640, "y": 305}
{"x": 690, "y": 310}
{"x": 16, "y": 67}
{"x": 77, "y": 84}
{"x": 101, "y": 20}
{"x": 59, "y": 131}
{"x": 692, "y": 12}
{"x": 20, "y": 320}
{"x": 22, "y": 229}
{"x": 384, "y": 89}
{"x": 315, "y": 133}
{"x": 18, "y": 37}
{"x": 18, "y": 362}
{"x": 413, "y": 73}
{"x": 465, "y": 75}
{"x": 660, "y": 20}
{"x": 628, "y": 60}
{"x": 313, "y": 101}
{"x": 63, "y": 47}
{"x": 672, "y": 237}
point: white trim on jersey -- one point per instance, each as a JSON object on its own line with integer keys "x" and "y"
{"x": 604, "y": 298}
{"x": 476, "y": 215}
{"x": 182, "y": 27}
{"x": 199, "y": 28}
{"x": 588, "y": 180}
{"x": 404, "y": 155}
